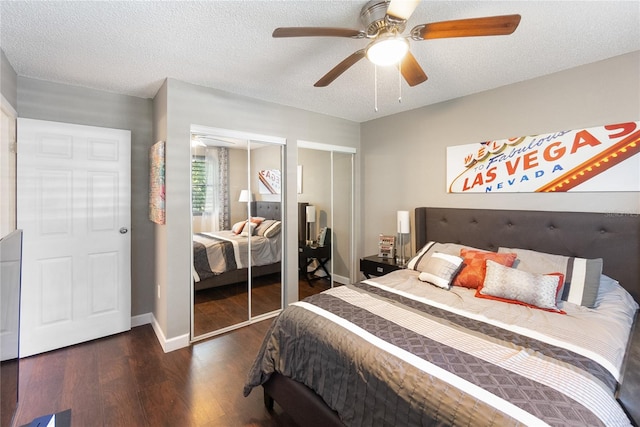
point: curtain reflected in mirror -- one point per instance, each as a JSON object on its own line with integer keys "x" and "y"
{"x": 237, "y": 244}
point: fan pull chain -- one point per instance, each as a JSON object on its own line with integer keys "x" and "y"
{"x": 400, "y": 82}
{"x": 375, "y": 88}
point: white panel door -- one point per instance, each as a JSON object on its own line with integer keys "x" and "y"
{"x": 74, "y": 206}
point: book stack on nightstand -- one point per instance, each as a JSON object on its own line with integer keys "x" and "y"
{"x": 376, "y": 266}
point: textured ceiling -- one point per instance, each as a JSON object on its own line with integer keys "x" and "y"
{"x": 131, "y": 47}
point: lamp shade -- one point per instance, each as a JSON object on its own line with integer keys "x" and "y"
{"x": 245, "y": 196}
{"x": 311, "y": 213}
{"x": 403, "y": 222}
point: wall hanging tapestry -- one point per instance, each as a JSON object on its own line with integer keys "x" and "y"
{"x": 156, "y": 183}
{"x": 602, "y": 158}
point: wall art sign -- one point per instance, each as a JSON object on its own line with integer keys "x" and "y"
{"x": 269, "y": 181}
{"x": 602, "y": 158}
{"x": 156, "y": 183}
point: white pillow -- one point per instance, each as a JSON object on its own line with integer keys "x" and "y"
{"x": 249, "y": 229}
{"x": 440, "y": 269}
{"x": 238, "y": 226}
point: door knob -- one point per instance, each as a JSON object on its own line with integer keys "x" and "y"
{"x": 123, "y": 230}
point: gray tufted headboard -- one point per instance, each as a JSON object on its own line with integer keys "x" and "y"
{"x": 268, "y": 210}
{"x": 614, "y": 237}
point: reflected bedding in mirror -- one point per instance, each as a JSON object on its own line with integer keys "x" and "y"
{"x": 218, "y": 252}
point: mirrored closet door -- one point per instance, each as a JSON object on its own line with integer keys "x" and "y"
{"x": 326, "y": 208}
{"x": 236, "y": 224}
{"x": 343, "y": 182}
{"x": 265, "y": 178}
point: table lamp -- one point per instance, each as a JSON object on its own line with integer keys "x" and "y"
{"x": 403, "y": 228}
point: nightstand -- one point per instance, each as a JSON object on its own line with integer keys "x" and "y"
{"x": 307, "y": 254}
{"x": 375, "y": 266}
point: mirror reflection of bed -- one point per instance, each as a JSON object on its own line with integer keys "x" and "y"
{"x": 236, "y": 227}
{"x": 221, "y": 297}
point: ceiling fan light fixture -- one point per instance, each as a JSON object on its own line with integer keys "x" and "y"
{"x": 387, "y": 50}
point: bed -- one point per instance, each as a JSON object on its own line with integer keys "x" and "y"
{"x": 398, "y": 351}
{"x": 220, "y": 258}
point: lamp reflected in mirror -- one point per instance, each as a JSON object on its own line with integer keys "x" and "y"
{"x": 246, "y": 196}
{"x": 311, "y": 219}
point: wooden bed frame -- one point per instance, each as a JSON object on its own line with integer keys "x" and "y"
{"x": 614, "y": 237}
{"x": 268, "y": 210}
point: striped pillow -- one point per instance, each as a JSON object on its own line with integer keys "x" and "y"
{"x": 581, "y": 276}
{"x": 440, "y": 270}
{"x": 420, "y": 260}
{"x": 268, "y": 228}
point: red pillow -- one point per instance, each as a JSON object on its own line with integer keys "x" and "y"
{"x": 475, "y": 266}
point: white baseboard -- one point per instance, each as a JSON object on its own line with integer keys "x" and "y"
{"x": 341, "y": 279}
{"x": 172, "y": 343}
{"x": 141, "y": 319}
{"x": 166, "y": 344}
{"x": 336, "y": 278}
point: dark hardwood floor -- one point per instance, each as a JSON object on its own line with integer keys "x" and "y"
{"x": 127, "y": 380}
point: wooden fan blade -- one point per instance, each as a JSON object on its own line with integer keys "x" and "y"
{"x": 411, "y": 70}
{"x": 489, "y": 26}
{"x": 316, "y": 32}
{"x": 402, "y": 9}
{"x": 340, "y": 68}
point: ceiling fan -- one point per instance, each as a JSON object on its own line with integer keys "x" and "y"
{"x": 384, "y": 21}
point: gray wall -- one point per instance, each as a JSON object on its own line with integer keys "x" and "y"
{"x": 601, "y": 93}
{"x": 42, "y": 100}
{"x": 189, "y": 104}
{"x": 8, "y": 81}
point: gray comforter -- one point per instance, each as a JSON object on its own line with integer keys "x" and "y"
{"x": 212, "y": 256}
{"x": 382, "y": 358}
{"x": 218, "y": 252}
